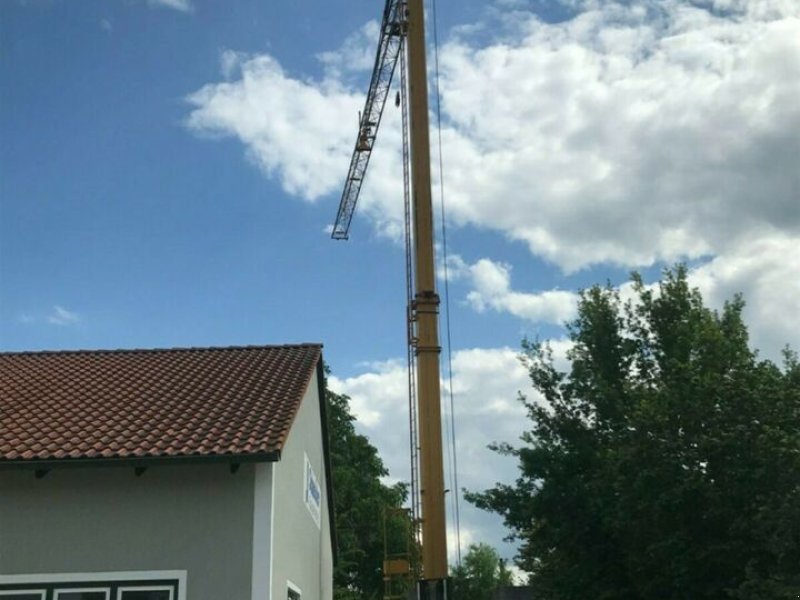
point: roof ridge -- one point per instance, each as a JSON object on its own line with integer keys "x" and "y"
{"x": 175, "y": 349}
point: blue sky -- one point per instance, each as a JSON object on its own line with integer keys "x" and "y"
{"x": 168, "y": 170}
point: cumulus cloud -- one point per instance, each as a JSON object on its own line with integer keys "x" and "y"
{"x": 302, "y": 131}
{"x": 626, "y": 136}
{"x": 291, "y": 128}
{"x": 179, "y": 5}
{"x": 760, "y": 269}
{"x": 371, "y": 409}
{"x": 765, "y": 271}
{"x": 491, "y": 282}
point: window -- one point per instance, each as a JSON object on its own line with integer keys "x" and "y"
{"x": 82, "y": 594}
{"x": 21, "y": 594}
{"x": 145, "y": 593}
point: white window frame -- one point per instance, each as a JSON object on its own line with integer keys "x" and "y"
{"x": 58, "y": 592}
{"x": 145, "y": 588}
{"x": 290, "y": 587}
{"x": 99, "y": 577}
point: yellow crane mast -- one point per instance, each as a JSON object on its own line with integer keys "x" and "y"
{"x": 403, "y": 29}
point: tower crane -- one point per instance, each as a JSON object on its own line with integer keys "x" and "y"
{"x": 403, "y": 30}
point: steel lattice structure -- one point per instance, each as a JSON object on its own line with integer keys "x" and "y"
{"x": 393, "y": 31}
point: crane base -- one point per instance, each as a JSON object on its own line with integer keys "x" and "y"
{"x": 433, "y": 589}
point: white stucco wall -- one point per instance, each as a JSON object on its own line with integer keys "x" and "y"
{"x": 195, "y": 518}
{"x": 298, "y": 542}
{"x": 263, "y": 519}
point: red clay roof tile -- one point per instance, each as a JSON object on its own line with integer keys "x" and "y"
{"x": 151, "y": 403}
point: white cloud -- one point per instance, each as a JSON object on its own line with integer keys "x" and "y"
{"x": 627, "y": 134}
{"x": 292, "y": 128}
{"x": 761, "y": 269}
{"x": 491, "y": 283}
{"x": 302, "y": 131}
{"x": 180, "y": 5}
{"x": 766, "y": 272}
{"x": 618, "y": 137}
{"x": 106, "y": 25}
{"x": 371, "y": 408}
{"x": 62, "y": 316}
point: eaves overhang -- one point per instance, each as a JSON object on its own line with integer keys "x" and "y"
{"x": 138, "y": 461}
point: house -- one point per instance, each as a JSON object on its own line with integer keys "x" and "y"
{"x": 180, "y": 474}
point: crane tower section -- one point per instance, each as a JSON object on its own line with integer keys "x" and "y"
{"x": 392, "y": 35}
{"x": 403, "y": 28}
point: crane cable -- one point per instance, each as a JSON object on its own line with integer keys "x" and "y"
{"x": 411, "y": 365}
{"x": 452, "y": 425}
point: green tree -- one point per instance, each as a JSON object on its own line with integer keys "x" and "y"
{"x": 665, "y": 463}
{"x": 481, "y": 572}
{"x": 360, "y": 501}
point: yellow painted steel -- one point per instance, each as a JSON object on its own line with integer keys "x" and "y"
{"x": 399, "y": 553}
{"x": 425, "y": 309}
{"x": 396, "y": 566}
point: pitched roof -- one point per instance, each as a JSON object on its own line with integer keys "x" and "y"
{"x": 139, "y": 404}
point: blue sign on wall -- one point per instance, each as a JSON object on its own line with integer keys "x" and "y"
{"x": 312, "y": 494}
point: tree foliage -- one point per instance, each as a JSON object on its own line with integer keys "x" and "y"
{"x": 480, "y": 573}
{"x": 665, "y": 463}
{"x": 360, "y": 501}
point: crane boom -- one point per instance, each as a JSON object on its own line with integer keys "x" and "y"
{"x": 389, "y": 46}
